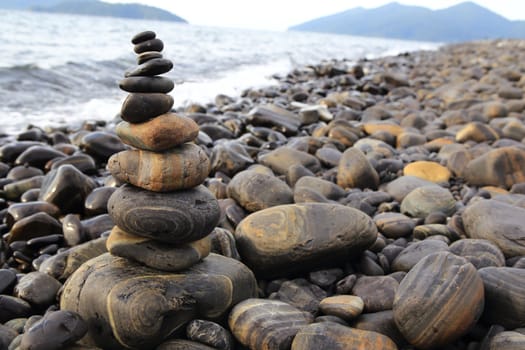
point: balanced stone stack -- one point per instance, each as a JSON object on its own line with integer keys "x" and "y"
{"x": 154, "y": 279}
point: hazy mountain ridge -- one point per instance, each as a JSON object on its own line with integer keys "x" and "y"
{"x": 463, "y": 22}
{"x": 93, "y": 8}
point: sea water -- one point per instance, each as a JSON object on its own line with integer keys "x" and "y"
{"x": 62, "y": 69}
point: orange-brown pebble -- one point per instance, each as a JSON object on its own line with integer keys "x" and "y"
{"x": 182, "y": 167}
{"x": 430, "y": 171}
{"x": 158, "y": 134}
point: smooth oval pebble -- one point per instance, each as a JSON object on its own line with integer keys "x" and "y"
{"x": 67, "y": 188}
{"x": 179, "y": 168}
{"x": 430, "y": 171}
{"x": 504, "y": 296}
{"x": 127, "y": 305}
{"x": 63, "y": 264}
{"x": 38, "y": 289}
{"x": 508, "y": 341}
{"x": 403, "y": 185}
{"x": 394, "y": 225}
{"x": 151, "y": 68}
{"x": 259, "y": 323}
{"x": 500, "y": 167}
{"x": 160, "y": 85}
{"x": 56, "y": 330}
{"x": 497, "y": 222}
{"x": 157, "y": 255}
{"x": 346, "y": 307}
{"x": 38, "y": 156}
{"x": 97, "y": 201}
{"x": 18, "y": 211}
{"x": 7, "y": 335}
{"x": 13, "y": 307}
{"x": 376, "y": 292}
{"x": 438, "y": 301}
{"x": 297, "y": 237}
{"x": 158, "y": 134}
{"x": 35, "y": 225}
{"x": 256, "y": 191}
{"x": 480, "y": 252}
{"x": 355, "y": 170}
{"x": 148, "y": 55}
{"x": 101, "y": 145}
{"x": 174, "y": 217}
{"x": 153, "y": 44}
{"x": 333, "y": 336}
{"x": 283, "y": 158}
{"x": 140, "y": 107}
{"x": 415, "y": 252}
{"x": 427, "y": 199}
{"x": 210, "y": 333}
{"x": 143, "y": 36}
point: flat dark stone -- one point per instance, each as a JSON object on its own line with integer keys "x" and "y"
{"x": 147, "y": 84}
{"x": 150, "y": 68}
{"x": 138, "y": 107}
{"x": 7, "y": 280}
{"x": 149, "y": 45}
{"x": 148, "y": 55}
{"x": 55, "y": 330}
{"x": 171, "y": 217}
{"x": 13, "y": 307}
{"x": 143, "y": 36}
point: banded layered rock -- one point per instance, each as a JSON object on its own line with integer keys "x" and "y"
{"x": 172, "y": 217}
{"x": 158, "y": 134}
{"x": 258, "y": 323}
{"x": 497, "y": 222}
{"x": 183, "y": 167}
{"x": 438, "y": 301}
{"x": 500, "y": 167}
{"x": 292, "y": 238}
{"x": 504, "y": 296}
{"x": 129, "y": 305}
{"x": 329, "y": 335}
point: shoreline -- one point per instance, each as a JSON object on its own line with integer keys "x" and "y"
{"x": 424, "y": 151}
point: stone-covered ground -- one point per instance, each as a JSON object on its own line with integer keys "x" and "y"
{"x": 380, "y": 204}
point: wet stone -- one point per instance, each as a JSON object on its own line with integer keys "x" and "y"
{"x": 148, "y": 45}
{"x": 334, "y": 336}
{"x": 230, "y": 158}
{"x": 428, "y": 311}
{"x": 38, "y": 289}
{"x": 36, "y": 225}
{"x": 140, "y": 107}
{"x": 101, "y": 145}
{"x": 504, "y": 296}
{"x": 497, "y": 222}
{"x": 56, "y": 330}
{"x": 67, "y": 188}
{"x": 430, "y": 171}
{"x": 155, "y": 254}
{"x": 210, "y": 333}
{"x": 301, "y": 294}
{"x": 500, "y": 167}
{"x": 7, "y": 281}
{"x": 355, "y": 170}
{"x": 157, "y": 303}
{"x": 283, "y": 158}
{"x": 171, "y": 217}
{"x": 18, "y": 211}
{"x": 21, "y": 172}
{"x": 97, "y": 201}
{"x": 276, "y": 117}
{"x": 376, "y": 292}
{"x": 394, "y": 225}
{"x": 296, "y": 237}
{"x": 13, "y": 307}
{"x": 479, "y": 252}
{"x": 147, "y": 84}
{"x": 257, "y": 323}
{"x": 182, "y": 167}
{"x": 256, "y": 191}
{"x": 143, "y": 36}
{"x": 424, "y": 200}
{"x": 158, "y": 134}
{"x": 381, "y": 322}
{"x": 346, "y": 307}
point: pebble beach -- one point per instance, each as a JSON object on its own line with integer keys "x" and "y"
{"x": 377, "y": 204}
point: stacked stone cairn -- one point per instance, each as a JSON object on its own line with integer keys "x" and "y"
{"x": 159, "y": 273}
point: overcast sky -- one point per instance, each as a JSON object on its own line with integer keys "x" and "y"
{"x": 281, "y": 14}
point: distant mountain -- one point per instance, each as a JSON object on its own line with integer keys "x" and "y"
{"x": 93, "y": 8}
{"x": 463, "y": 22}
